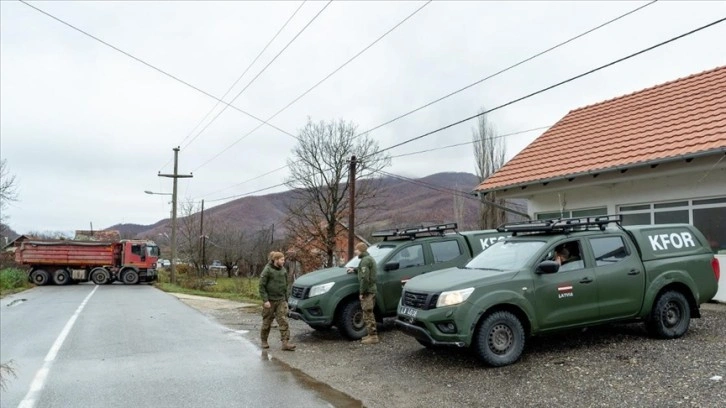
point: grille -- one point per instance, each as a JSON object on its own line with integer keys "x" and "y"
{"x": 413, "y": 299}
{"x": 298, "y": 292}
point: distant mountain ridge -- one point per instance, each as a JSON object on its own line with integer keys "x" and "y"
{"x": 420, "y": 201}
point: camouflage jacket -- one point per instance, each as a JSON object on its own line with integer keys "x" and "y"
{"x": 273, "y": 283}
{"x": 367, "y": 274}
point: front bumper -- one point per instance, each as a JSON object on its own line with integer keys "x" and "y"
{"x": 149, "y": 276}
{"x": 311, "y": 311}
{"x": 422, "y": 334}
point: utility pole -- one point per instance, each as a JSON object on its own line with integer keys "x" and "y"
{"x": 351, "y": 205}
{"x": 175, "y": 176}
{"x": 204, "y": 241}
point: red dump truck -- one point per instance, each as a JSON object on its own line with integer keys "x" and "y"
{"x": 64, "y": 262}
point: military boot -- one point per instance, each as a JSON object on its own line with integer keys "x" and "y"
{"x": 370, "y": 339}
{"x": 287, "y": 346}
{"x": 264, "y": 344}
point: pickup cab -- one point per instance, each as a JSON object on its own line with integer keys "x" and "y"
{"x": 329, "y": 297}
{"x": 657, "y": 274}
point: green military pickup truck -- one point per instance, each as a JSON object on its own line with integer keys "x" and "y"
{"x": 559, "y": 274}
{"x": 329, "y": 297}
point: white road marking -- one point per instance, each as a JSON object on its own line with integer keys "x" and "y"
{"x": 39, "y": 380}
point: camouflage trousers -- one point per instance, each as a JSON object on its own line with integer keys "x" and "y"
{"x": 277, "y": 310}
{"x": 367, "y": 304}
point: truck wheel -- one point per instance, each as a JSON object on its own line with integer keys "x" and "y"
{"x": 61, "y": 277}
{"x": 39, "y": 277}
{"x": 500, "y": 339}
{"x": 350, "y": 321}
{"x": 670, "y": 316}
{"x": 100, "y": 276}
{"x": 130, "y": 277}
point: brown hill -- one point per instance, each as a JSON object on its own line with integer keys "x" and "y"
{"x": 405, "y": 202}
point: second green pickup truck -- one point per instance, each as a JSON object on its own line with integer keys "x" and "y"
{"x": 559, "y": 274}
{"x": 329, "y": 297}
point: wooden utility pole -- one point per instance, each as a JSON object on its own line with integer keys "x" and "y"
{"x": 175, "y": 176}
{"x": 204, "y": 241}
{"x": 351, "y": 206}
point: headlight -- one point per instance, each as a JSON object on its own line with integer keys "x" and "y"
{"x": 454, "y": 297}
{"x": 320, "y": 289}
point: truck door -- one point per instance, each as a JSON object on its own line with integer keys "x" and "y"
{"x": 620, "y": 276}
{"x": 411, "y": 262}
{"x": 568, "y": 296}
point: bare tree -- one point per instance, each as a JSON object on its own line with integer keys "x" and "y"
{"x": 189, "y": 234}
{"x": 489, "y": 153}
{"x": 256, "y": 250}
{"x": 229, "y": 246}
{"x": 319, "y": 171}
{"x": 8, "y": 192}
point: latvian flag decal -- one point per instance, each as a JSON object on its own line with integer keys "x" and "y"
{"x": 564, "y": 291}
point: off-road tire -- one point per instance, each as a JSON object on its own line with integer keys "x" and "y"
{"x": 40, "y": 277}
{"x": 670, "y": 316}
{"x": 100, "y": 276}
{"x": 350, "y": 320}
{"x": 499, "y": 339}
{"x": 130, "y": 277}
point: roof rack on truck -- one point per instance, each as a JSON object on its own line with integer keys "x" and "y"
{"x": 561, "y": 224}
{"x": 414, "y": 232}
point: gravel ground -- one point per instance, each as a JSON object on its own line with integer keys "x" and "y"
{"x": 617, "y": 365}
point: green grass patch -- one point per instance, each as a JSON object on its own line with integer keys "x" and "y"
{"x": 13, "y": 280}
{"x": 239, "y": 289}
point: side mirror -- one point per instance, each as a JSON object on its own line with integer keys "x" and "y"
{"x": 391, "y": 266}
{"x": 547, "y": 267}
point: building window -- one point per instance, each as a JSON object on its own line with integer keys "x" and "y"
{"x": 586, "y": 212}
{"x": 708, "y": 215}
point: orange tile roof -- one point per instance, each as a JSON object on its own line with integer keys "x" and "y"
{"x": 680, "y": 118}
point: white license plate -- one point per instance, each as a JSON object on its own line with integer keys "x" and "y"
{"x": 292, "y": 302}
{"x": 408, "y": 311}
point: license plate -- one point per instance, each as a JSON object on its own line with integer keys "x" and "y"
{"x": 292, "y": 302}
{"x": 408, "y": 311}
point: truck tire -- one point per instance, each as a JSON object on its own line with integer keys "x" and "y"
{"x": 350, "y": 321}
{"x": 500, "y": 339}
{"x": 100, "y": 276}
{"x": 39, "y": 277}
{"x": 670, "y": 316}
{"x": 61, "y": 277}
{"x": 130, "y": 277}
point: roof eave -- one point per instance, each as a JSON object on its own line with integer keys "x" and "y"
{"x": 721, "y": 149}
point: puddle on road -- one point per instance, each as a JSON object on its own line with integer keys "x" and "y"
{"x": 329, "y": 394}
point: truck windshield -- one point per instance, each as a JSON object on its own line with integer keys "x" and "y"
{"x": 377, "y": 252}
{"x": 505, "y": 256}
{"x": 152, "y": 250}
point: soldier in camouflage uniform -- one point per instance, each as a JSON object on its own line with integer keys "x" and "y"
{"x": 367, "y": 280}
{"x": 273, "y": 291}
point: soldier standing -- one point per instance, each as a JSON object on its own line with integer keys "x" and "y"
{"x": 273, "y": 291}
{"x": 367, "y": 280}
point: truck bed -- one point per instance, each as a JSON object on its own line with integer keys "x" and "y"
{"x": 65, "y": 253}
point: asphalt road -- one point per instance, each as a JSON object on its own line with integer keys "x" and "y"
{"x": 132, "y": 346}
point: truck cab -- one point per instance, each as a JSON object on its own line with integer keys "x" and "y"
{"x": 329, "y": 297}
{"x": 138, "y": 261}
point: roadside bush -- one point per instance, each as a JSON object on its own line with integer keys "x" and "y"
{"x": 13, "y": 278}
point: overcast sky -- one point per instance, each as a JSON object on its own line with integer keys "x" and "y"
{"x": 86, "y": 129}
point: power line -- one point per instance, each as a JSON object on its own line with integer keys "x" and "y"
{"x": 161, "y": 71}
{"x": 539, "y": 54}
{"x": 246, "y": 181}
{"x": 246, "y": 70}
{"x": 556, "y": 85}
{"x": 469, "y": 142}
{"x": 246, "y": 194}
{"x": 317, "y": 84}
{"x": 260, "y": 73}
{"x": 451, "y": 93}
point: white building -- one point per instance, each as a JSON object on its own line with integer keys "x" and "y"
{"x": 655, "y": 156}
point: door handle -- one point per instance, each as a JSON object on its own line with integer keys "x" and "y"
{"x": 586, "y": 280}
{"x": 633, "y": 272}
